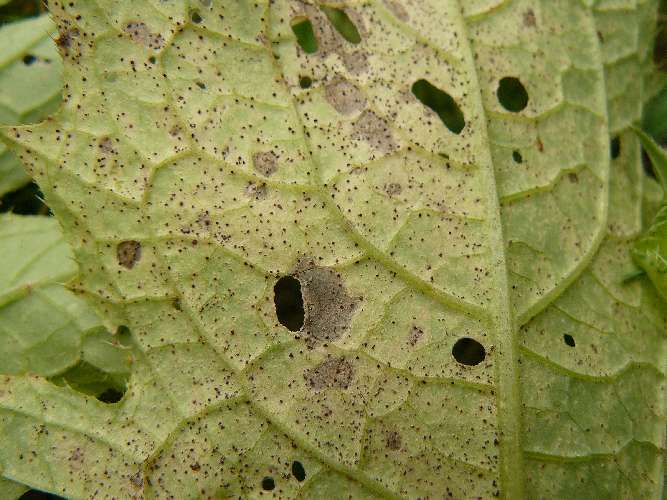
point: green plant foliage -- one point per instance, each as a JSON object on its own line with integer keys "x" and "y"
{"x": 30, "y": 83}
{"x": 329, "y": 291}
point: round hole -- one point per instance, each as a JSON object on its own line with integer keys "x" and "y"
{"x": 512, "y": 94}
{"x": 569, "y": 340}
{"x": 615, "y": 147}
{"x": 298, "y": 471}
{"x": 468, "y": 352}
{"x": 516, "y": 156}
{"x": 289, "y": 303}
{"x": 305, "y": 82}
{"x": 196, "y": 17}
{"x": 268, "y": 483}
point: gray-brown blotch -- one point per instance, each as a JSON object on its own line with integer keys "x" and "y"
{"x": 334, "y": 373}
{"x": 266, "y": 163}
{"x": 344, "y": 96}
{"x": 140, "y": 33}
{"x": 375, "y": 130}
{"x": 328, "y": 308}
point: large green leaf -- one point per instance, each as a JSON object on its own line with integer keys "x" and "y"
{"x": 443, "y": 193}
{"x": 30, "y": 85}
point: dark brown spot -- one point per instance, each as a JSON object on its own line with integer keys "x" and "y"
{"x": 129, "y": 253}
{"x": 334, "y": 373}
{"x": 344, "y": 96}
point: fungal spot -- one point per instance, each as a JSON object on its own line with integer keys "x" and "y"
{"x": 106, "y": 145}
{"x": 305, "y": 35}
{"x": 375, "y": 131}
{"x": 137, "y": 480}
{"x": 39, "y": 495}
{"x": 468, "y": 351}
{"x": 257, "y": 191}
{"x": 529, "y": 19}
{"x": 140, "y": 33}
{"x": 266, "y": 163}
{"x": 328, "y": 307}
{"x": 29, "y": 59}
{"x": 512, "y": 94}
{"x": 305, "y": 82}
{"x": 334, "y": 373}
{"x": 441, "y": 103}
{"x": 516, "y": 156}
{"x": 298, "y": 471}
{"x": 128, "y": 253}
{"x": 569, "y": 340}
{"x": 344, "y": 96}
{"x": 393, "y": 188}
{"x": 397, "y": 10}
{"x": 268, "y": 483}
{"x": 355, "y": 62}
{"x": 416, "y": 334}
{"x": 195, "y": 17}
{"x": 615, "y": 147}
{"x": 393, "y": 440}
{"x": 64, "y": 40}
{"x": 342, "y": 23}
{"x": 289, "y": 303}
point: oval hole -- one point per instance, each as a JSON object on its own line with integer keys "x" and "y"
{"x": 268, "y": 483}
{"x": 615, "y": 147}
{"x": 305, "y": 82}
{"x": 441, "y": 103}
{"x": 298, "y": 471}
{"x": 305, "y": 36}
{"x": 569, "y": 340}
{"x": 468, "y": 352}
{"x": 516, "y": 156}
{"x": 289, "y": 303}
{"x": 29, "y": 59}
{"x": 512, "y": 94}
{"x": 196, "y": 17}
{"x": 343, "y": 24}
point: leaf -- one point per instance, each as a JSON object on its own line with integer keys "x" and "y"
{"x": 464, "y": 328}
{"x": 30, "y": 83}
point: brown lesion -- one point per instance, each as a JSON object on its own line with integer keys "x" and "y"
{"x": 334, "y": 373}
{"x": 344, "y": 96}
{"x": 140, "y": 33}
{"x": 128, "y": 253}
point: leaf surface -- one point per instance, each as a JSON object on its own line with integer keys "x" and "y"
{"x": 465, "y": 332}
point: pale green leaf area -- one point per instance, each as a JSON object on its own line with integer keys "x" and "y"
{"x": 30, "y": 85}
{"x": 440, "y": 180}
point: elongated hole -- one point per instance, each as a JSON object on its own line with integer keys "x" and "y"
{"x": 441, "y": 103}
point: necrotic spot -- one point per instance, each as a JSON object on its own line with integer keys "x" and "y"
{"x": 343, "y": 24}
{"x": 468, "y": 351}
{"x": 298, "y": 471}
{"x": 516, "y": 156}
{"x": 569, "y": 340}
{"x": 268, "y": 483}
{"x": 615, "y": 147}
{"x": 128, "y": 253}
{"x": 512, "y": 94}
{"x": 441, "y": 103}
{"x": 289, "y": 303}
{"x": 305, "y": 36}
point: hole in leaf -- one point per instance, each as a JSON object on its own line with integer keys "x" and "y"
{"x": 268, "y": 483}
{"x": 88, "y": 379}
{"x": 152, "y": 60}
{"x": 298, "y": 471}
{"x": 289, "y": 303}
{"x": 111, "y": 395}
{"x": 305, "y": 36}
{"x": 441, "y": 102}
{"x": 648, "y": 165}
{"x": 516, "y": 156}
{"x": 305, "y": 82}
{"x": 29, "y": 59}
{"x": 468, "y": 351}
{"x": 569, "y": 340}
{"x": 512, "y": 94}
{"x": 26, "y": 201}
{"x": 196, "y": 17}
{"x": 201, "y": 85}
{"x": 343, "y": 24}
{"x": 615, "y": 147}
{"x": 39, "y": 495}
